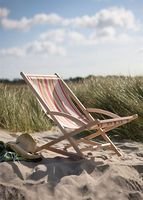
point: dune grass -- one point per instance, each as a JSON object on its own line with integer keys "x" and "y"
{"x": 20, "y": 111}
{"x": 118, "y": 94}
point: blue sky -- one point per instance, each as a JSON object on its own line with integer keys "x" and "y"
{"x": 71, "y": 38}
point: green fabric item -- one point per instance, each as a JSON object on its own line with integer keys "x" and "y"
{"x": 7, "y": 154}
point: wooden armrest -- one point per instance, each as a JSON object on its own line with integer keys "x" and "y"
{"x": 101, "y": 111}
{"x": 74, "y": 119}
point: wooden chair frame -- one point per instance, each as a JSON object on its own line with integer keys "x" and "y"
{"x": 100, "y": 126}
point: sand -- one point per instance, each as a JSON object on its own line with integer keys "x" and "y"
{"x": 104, "y": 176}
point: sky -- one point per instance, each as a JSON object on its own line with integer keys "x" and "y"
{"x": 71, "y": 37}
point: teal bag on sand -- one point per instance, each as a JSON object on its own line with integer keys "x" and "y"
{"x": 7, "y": 154}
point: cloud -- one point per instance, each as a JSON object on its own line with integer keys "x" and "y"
{"x": 67, "y": 37}
{"x": 56, "y": 42}
{"x": 57, "y": 35}
{"x": 23, "y": 24}
{"x": 46, "y": 19}
{"x": 14, "y": 51}
{"x": 76, "y": 37}
{"x": 63, "y": 36}
{"x": 45, "y": 48}
{"x": 50, "y": 43}
{"x": 115, "y": 17}
{"x": 110, "y": 17}
{"x": 34, "y": 48}
{"x": 4, "y": 12}
{"x": 106, "y": 32}
{"x": 110, "y": 24}
{"x": 26, "y": 23}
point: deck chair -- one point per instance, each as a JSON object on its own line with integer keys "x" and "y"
{"x": 69, "y": 114}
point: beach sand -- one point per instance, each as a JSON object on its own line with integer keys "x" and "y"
{"x": 104, "y": 176}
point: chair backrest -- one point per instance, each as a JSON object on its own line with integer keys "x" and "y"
{"x": 54, "y": 95}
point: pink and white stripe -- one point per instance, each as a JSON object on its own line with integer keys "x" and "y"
{"x": 53, "y": 92}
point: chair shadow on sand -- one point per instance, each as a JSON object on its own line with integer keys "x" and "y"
{"x": 52, "y": 170}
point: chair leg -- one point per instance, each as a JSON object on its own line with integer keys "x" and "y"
{"x": 93, "y": 148}
{"x": 74, "y": 145}
{"x": 62, "y": 152}
{"x": 104, "y": 135}
{"x": 84, "y": 140}
{"x": 114, "y": 148}
{"x": 89, "y": 137}
{"x": 106, "y": 138}
{"x": 71, "y": 141}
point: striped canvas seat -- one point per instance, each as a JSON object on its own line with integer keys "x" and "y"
{"x": 51, "y": 90}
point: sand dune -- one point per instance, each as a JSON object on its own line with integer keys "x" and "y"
{"x": 104, "y": 176}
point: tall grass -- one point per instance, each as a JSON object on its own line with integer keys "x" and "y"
{"x": 118, "y": 94}
{"x": 20, "y": 111}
